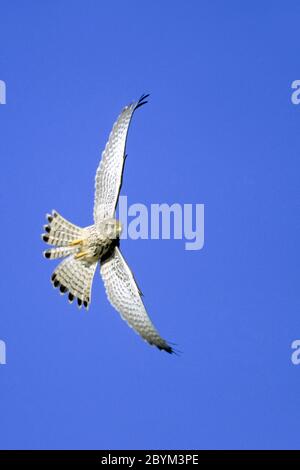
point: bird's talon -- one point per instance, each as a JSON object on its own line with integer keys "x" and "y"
{"x": 81, "y": 254}
{"x": 76, "y": 242}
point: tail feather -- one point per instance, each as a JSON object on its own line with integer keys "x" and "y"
{"x": 59, "y": 231}
{"x": 71, "y": 275}
{"x": 76, "y": 277}
{"x": 59, "y": 252}
{"x": 58, "y": 222}
{"x": 58, "y": 238}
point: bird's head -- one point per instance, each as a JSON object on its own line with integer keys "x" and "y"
{"x": 112, "y": 228}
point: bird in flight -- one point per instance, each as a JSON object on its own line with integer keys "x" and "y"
{"x": 83, "y": 248}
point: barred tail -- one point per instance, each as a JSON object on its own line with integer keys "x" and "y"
{"x": 75, "y": 277}
{"x": 59, "y": 252}
{"x": 60, "y": 232}
{"x": 72, "y": 275}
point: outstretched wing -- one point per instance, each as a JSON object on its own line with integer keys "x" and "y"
{"x": 124, "y": 295}
{"x": 109, "y": 173}
{"x": 75, "y": 277}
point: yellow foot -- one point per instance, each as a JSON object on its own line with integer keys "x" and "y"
{"x": 80, "y": 255}
{"x": 76, "y": 242}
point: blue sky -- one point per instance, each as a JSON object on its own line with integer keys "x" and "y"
{"x": 220, "y": 129}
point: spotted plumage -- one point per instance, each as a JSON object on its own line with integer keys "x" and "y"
{"x": 83, "y": 248}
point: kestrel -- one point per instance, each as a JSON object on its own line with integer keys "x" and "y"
{"x": 83, "y": 248}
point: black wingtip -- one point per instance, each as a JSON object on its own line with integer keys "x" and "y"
{"x": 176, "y": 352}
{"x": 170, "y": 350}
{"x": 142, "y": 100}
{"x": 144, "y": 96}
